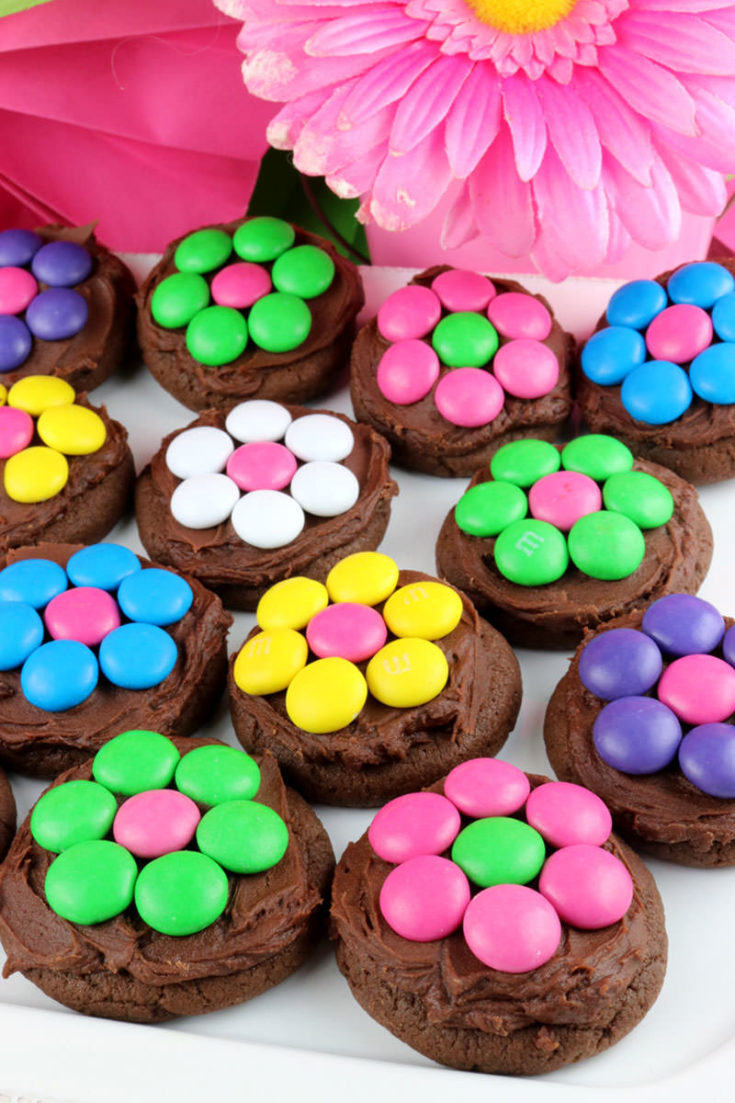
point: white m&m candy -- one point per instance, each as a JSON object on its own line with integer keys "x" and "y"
{"x": 204, "y": 501}
{"x": 268, "y": 519}
{"x": 258, "y": 420}
{"x": 319, "y": 437}
{"x": 203, "y": 450}
{"x": 325, "y": 489}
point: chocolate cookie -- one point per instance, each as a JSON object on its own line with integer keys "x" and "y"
{"x": 68, "y": 306}
{"x": 644, "y": 717}
{"x": 7, "y": 814}
{"x": 659, "y": 370}
{"x": 305, "y": 503}
{"x": 67, "y": 471}
{"x": 604, "y": 534}
{"x": 495, "y": 931}
{"x": 252, "y": 309}
{"x": 420, "y": 370}
{"x": 95, "y": 640}
{"x": 402, "y": 683}
{"x": 171, "y": 918}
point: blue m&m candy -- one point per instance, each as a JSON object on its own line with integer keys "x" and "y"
{"x": 102, "y": 565}
{"x": 712, "y": 374}
{"x": 34, "y": 581}
{"x": 17, "y": 247}
{"x": 155, "y": 596}
{"x": 15, "y": 342}
{"x": 701, "y": 284}
{"x": 723, "y": 317}
{"x": 657, "y": 392}
{"x": 638, "y": 735}
{"x": 707, "y": 759}
{"x": 137, "y": 656}
{"x": 636, "y": 304}
{"x": 61, "y": 264}
{"x": 612, "y": 353}
{"x": 21, "y": 632}
{"x": 59, "y": 675}
{"x": 56, "y": 314}
{"x": 620, "y": 663}
{"x": 682, "y": 624}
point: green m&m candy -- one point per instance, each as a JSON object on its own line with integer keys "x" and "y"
{"x": 181, "y": 893}
{"x": 499, "y": 850}
{"x": 639, "y": 496}
{"x": 531, "y": 553}
{"x": 243, "y": 836}
{"x": 203, "y": 251}
{"x": 605, "y": 545}
{"x": 178, "y": 298}
{"x": 306, "y": 271}
{"x": 134, "y": 762}
{"x": 263, "y": 239}
{"x": 211, "y": 775}
{"x": 465, "y": 340}
{"x": 597, "y": 455}
{"x": 217, "y": 335}
{"x": 279, "y": 322}
{"x": 91, "y": 882}
{"x": 75, "y": 812}
{"x": 488, "y": 508}
{"x": 524, "y": 461}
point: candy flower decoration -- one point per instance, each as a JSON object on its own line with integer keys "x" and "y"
{"x": 285, "y": 467}
{"x": 468, "y": 859}
{"x": 587, "y": 505}
{"x": 655, "y": 333}
{"x": 259, "y": 295}
{"x": 327, "y": 693}
{"x": 571, "y": 127}
{"x": 104, "y": 614}
{"x": 670, "y": 688}
{"x": 456, "y": 324}
{"x": 156, "y": 829}
{"x": 42, "y": 408}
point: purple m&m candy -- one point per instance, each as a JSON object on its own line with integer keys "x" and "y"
{"x": 56, "y": 314}
{"x": 682, "y": 624}
{"x": 15, "y": 342}
{"x": 620, "y": 663}
{"x": 707, "y": 758}
{"x": 637, "y": 735}
{"x": 728, "y": 646}
{"x": 17, "y": 247}
{"x": 61, "y": 264}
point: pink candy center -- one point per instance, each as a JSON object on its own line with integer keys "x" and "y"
{"x": 407, "y": 371}
{"x": 156, "y": 822}
{"x": 347, "y": 630}
{"x": 410, "y": 312}
{"x": 567, "y": 814}
{"x": 17, "y": 288}
{"x": 700, "y": 689}
{"x": 516, "y": 315}
{"x": 469, "y": 397}
{"x": 425, "y": 898}
{"x": 563, "y": 497}
{"x": 240, "y": 285}
{"x": 262, "y": 465}
{"x": 679, "y": 333}
{"x": 589, "y": 887}
{"x": 511, "y": 928}
{"x": 412, "y": 825}
{"x": 487, "y": 787}
{"x": 459, "y": 289}
{"x": 16, "y": 431}
{"x": 85, "y": 614}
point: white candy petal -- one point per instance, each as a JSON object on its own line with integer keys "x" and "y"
{"x": 319, "y": 437}
{"x": 204, "y": 501}
{"x": 258, "y": 419}
{"x": 268, "y": 519}
{"x": 203, "y": 450}
{"x": 325, "y": 489}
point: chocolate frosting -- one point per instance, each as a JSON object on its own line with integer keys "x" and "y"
{"x": 264, "y": 914}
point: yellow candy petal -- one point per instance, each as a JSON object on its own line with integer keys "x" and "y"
{"x": 37, "y": 393}
{"x": 291, "y": 603}
{"x": 268, "y": 662}
{"x": 73, "y": 430}
{"x": 35, "y": 474}
{"x": 406, "y": 673}
{"x": 326, "y": 695}
{"x": 426, "y": 610}
{"x": 365, "y": 577}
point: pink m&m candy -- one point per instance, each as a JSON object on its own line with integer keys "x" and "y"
{"x": 411, "y": 311}
{"x": 487, "y": 787}
{"x": 679, "y": 333}
{"x": 425, "y": 898}
{"x": 527, "y": 369}
{"x": 85, "y": 614}
{"x": 415, "y": 824}
{"x": 566, "y": 814}
{"x": 460, "y": 289}
{"x": 17, "y": 288}
{"x": 262, "y": 465}
{"x": 589, "y": 887}
{"x": 16, "y": 431}
{"x": 351, "y": 631}
{"x": 469, "y": 397}
{"x": 563, "y": 497}
{"x": 511, "y": 928}
{"x": 240, "y": 285}
{"x": 407, "y": 371}
{"x": 518, "y": 315}
{"x": 700, "y": 689}
{"x": 156, "y": 822}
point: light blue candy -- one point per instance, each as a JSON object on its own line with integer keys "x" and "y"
{"x": 611, "y": 353}
{"x": 712, "y": 374}
{"x": 137, "y": 656}
{"x": 154, "y": 596}
{"x": 34, "y": 581}
{"x": 59, "y": 675}
{"x": 723, "y": 317}
{"x": 701, "y": 284}
{"x": 102, "y": 565}
{"x": 21, "y": 632}
{"x": 657, "y": 392}
{"x": 636, "y": 304}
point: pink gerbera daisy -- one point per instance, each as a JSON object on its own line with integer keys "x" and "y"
{"x": 572, "y": 125}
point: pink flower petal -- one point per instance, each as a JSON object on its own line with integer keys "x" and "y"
{"x": 350, "y": 144}
{"x": 473, "y": 121}
{"x": 572, "y": 131}
{"x": 364, "y": 33}
{"x": 502, "y": 203}
{"x": 701, "y": 191}
{"x": 681, "y": 42}
{"x": 285, "y": 127}
{"x": 619, "y": 240}
{"x": 427, "y": 102}
{"x": 574, "y": 220}
{"x": 409, "y": 185}
{"x": 620, "y": 130}
{"x": 649, "y": 89}
{"x": 357, "y": 177}
{"x": 459, "y": 222}
{"x": 652, "y": 215}
{"x": 388, "y": 81}
{"x": 527, "y": 125}
{"x": 683, "y": 5}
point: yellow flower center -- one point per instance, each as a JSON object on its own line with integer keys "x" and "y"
{"x": 521, "y": 16}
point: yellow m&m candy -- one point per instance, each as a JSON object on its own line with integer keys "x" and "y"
{"x": 3, "y": 394}
{"x": 268, "y": 662}
{"x": 407, "y": 672}
{"x": 326, "y": 695}
{"x": 74, "y": 430}
{"x": 426, "y": 610}
{"x": 37, "y": 393}
{"x": 35, "y": 474}
{"x": 291, "y": 603}
{"x": 365, "y": 577}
